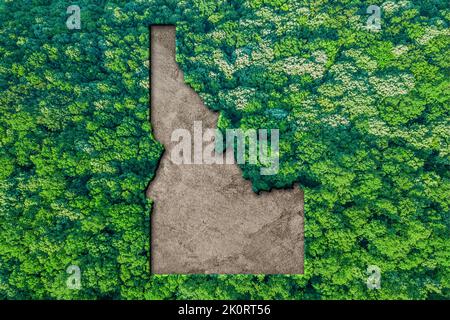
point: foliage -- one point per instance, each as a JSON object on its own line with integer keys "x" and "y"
{"x": 364, "y": 121}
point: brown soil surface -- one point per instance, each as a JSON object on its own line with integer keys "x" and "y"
{"x": 206, "y": 218}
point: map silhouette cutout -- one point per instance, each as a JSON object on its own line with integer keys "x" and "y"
{"x": 205, "y": 217}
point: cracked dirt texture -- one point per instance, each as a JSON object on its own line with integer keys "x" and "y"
{"x": 206, "y": 218}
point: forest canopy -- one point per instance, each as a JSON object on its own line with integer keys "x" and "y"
{"x": 364, "y": 129}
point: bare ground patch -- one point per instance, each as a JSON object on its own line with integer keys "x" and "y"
{"x": 206, "y": 218}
